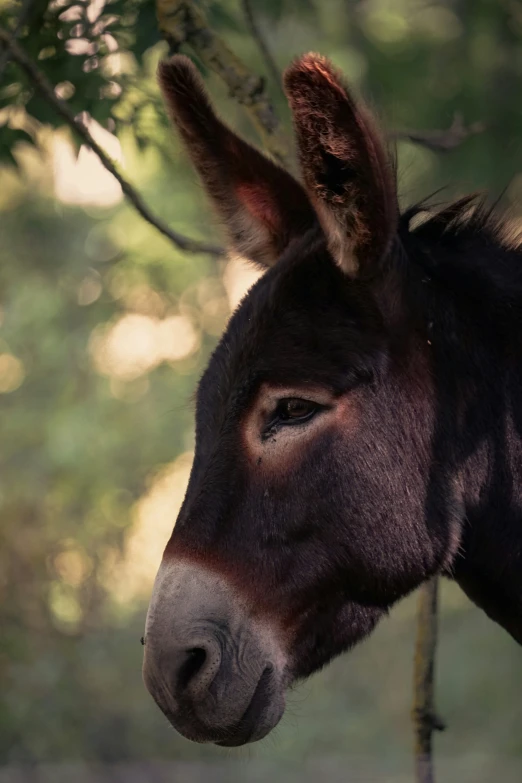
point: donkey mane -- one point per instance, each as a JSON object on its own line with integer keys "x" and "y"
{"x": 472, "y": 250}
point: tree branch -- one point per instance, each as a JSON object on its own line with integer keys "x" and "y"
{"x": 425, "y": 720}
{"x": 45, "y": 88}
{"x": 4, "y": 53}
{"x": 180, "y": 22}
{"x": 257, "y": 35}
{"x": 441, "y": 140}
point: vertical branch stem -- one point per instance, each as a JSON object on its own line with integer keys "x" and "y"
{"x": 255, "y": 32}
{"x": 22, "y": 16}
{"x": 183, "y": 22}
{"x": 425, "y": 720}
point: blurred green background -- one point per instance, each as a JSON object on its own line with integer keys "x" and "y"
{"x": 104, "y": 330}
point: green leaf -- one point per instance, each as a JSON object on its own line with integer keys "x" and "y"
{"x": 220, "y": 18}
{"x": 101, "y": 109}
{"x": 42, "y": 111}
{"x": 7, "y": 157}
{"x": 11, "y": 136}
{"x": 147, "y": 33}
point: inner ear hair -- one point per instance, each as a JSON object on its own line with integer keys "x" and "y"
{"x": 348, "y": 174}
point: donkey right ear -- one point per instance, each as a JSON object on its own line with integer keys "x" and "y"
{"x": 345, "y": 165}
{"x": 262, "y": 206}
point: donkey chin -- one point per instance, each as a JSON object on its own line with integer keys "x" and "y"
{"x": 216, "y": 674}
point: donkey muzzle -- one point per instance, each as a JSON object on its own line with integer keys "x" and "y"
{"x": 214, "y": 670}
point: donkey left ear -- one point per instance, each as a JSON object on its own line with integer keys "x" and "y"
{"x": 347, "y": 172}
{"x": 261, "y": 205}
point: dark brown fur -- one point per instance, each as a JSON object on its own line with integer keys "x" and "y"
{"x": 407, "y": 341}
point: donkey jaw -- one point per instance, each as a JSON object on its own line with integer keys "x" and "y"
{"x": 215, "y": 671}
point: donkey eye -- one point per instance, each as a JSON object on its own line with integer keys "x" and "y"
{"x": 294, "y": 410}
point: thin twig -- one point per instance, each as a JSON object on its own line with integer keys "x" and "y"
{"x": 425, "y": 719}
{"x": 24, "y": 13}
{"x": 263, "y": 47}
{"x": 41, "y": 83}
{"x": 441, "y": 140}
{"x": 183, "y": 22}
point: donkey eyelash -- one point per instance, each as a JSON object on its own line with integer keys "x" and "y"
{"x": 283, "y": 416}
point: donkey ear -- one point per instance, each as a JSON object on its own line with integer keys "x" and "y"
{"x": 262, "y": 206}
{"x": 345, "y": 167}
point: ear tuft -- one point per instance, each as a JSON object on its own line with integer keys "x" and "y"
{"x": 186, "y": 97}
{"x": 308, "y": 73}
{"x": 178, "y": 74}
{"x": 344, "y": 162}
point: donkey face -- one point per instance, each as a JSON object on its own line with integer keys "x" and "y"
{"x": 303, "y": 519}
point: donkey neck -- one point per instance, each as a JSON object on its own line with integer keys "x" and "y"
{"x": 478, "y": 431}
{"x": 464, "y": 295}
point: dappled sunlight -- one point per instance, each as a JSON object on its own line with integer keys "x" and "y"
{"x": 12, "y": 373}
{"x": 90, "y": 289}
{"x": 84, "y": 179}
{"x": 239, "y": 276}
{"x": 137, "y": 343}
{"x": 129, "y": 390}
{"x": 138, "y": 298}
{"x": 394, "y": 23}
{"x": 126, "y": 349}
{"x": 176, "y": 338}
{"x": 154, "y": 516}
{"x": 64, "y": 606}
{"x": 72, "y": 566}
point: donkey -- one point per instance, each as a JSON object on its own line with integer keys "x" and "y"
{"x": 358, "y": 427}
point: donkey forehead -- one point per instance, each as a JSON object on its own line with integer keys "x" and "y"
{"x": 303, "y": 322}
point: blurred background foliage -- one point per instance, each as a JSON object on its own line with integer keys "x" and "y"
{"x": 104, "y": 329}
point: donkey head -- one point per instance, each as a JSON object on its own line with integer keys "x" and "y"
{"x": 304, "y": 517}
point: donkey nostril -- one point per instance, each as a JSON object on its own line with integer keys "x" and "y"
{"x": 194, "y": 668}
{"x": 193, "y": 664}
